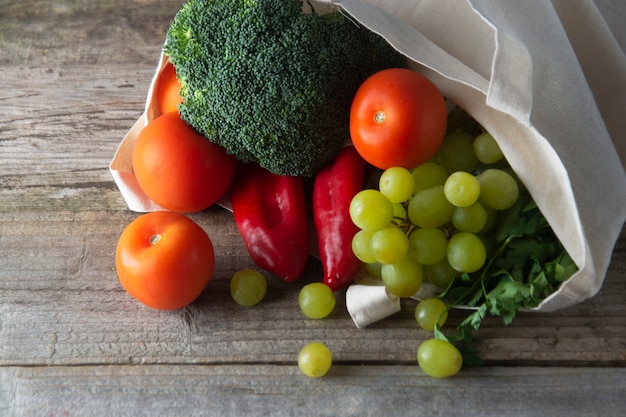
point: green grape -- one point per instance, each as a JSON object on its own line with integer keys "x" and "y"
{"x": 428, "y": 245}
{"x": 457, "y": 152}
{"x": 374, "y": 269}
{"x": 402, "y": 279}
{"x": 371, "y": 210}
{"x": 396, "y": 184}
{"x": 399, "y": 212}
{"x": 461, "y": 189}
{"x": 470, "y": 219}
{"x": 458, "y": 119}
{"x": 316, "y": 300}
{"x": 431, "y": 311}
{"x": 486, "y": 149}
{"x": 430, "y": 208}
{"x": 490, "y": 242}
{"x": 389, "y": 245}
{"x": 248, "y": 287}
{"x": 440, "y": 274}
{"x": 507, "y": 168}
{"x": 498, "y": 189}
{"x": 439, "y": 358}
{"x": 315, "y": 360}
{"x": 361, "y": 246}
{"x": 428, "y": 175}
{"x": 466, "y": 252}
{"x": 492, "y": 216}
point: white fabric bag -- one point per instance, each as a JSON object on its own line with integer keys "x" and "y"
{"x": 548, "y": 80}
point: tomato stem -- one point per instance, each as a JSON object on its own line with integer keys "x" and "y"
{"x": 154, "y": 239}
{"x": 380, "y": 117}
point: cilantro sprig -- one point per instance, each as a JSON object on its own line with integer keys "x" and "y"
{"x": 529, "y": 264}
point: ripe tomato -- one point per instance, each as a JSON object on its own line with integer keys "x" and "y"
{"x": 398, "y": 118}
{"x": 178, "y": 168}
{"x": 164, "y": 260}
{"x": 168, "y": 90}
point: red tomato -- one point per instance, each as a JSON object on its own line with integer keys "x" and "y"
{"x": 164, "y": 260}
{"x": 168, "y": 90}
{"x": 178, "y": 168}
{"x": 398, "y": 118}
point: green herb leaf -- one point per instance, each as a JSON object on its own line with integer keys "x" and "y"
{"x": 528, "y": 266}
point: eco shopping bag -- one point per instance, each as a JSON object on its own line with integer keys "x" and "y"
{"x": 548, "y": 81}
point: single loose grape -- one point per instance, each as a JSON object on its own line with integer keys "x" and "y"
{"x": 470, "y": 219}
{"x": 457, "y": 152}
{"x": 462, "y": 189}
{"x": 428, "y": 175}
{"x": 430, "y": 208}
{"x": 396, "y": 184}
{"x": 316, "y": 300}
{"x": 389, "y": 245}
{"x": 498, "y": 189}
{"x": 315, "y": 360}
{"x": 428, "y": 245}
{"x": 402, "y": 279}
{"x": 248, "y": 287}
{"x": 439, "y": 358}
{"x": 429, "y": 312}
{"x": 486, "y": 149}
{"x": 371, "y": 210}
{"x": 466, "y": 252}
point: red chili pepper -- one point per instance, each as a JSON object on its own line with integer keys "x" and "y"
{"x": 334, "y": 188}
{"x": 270, "y": 213}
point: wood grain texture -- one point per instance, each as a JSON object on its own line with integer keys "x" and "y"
{"x": 73, "y": 79}
{"x": 61, "y": 303}
{"x": 276, "y": 390}
{"x": 83, "y": 32}
{"x": 57, "y": 142}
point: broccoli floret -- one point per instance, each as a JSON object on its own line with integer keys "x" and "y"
{"x": 270, "y": 83}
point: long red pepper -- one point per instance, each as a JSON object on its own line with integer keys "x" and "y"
{"x": 270, "y": 213}
{"x": 334, "y": 188}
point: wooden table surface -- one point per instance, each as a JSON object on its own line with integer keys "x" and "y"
{"x": 73, "y": 79}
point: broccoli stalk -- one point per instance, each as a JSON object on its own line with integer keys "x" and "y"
{"x": 270, "y": 83}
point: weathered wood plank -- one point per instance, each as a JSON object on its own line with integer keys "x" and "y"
{"x": 85, "y": 32}
{"x": 61, "y": 303}
{"x": 237, "y": 391}
{"x": 83, "y": 70}
{"x": 59, "y": 133}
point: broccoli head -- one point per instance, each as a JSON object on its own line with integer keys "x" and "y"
{"x": 271, "y": 83}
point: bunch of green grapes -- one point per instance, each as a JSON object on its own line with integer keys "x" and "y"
{"x": 434, "y": 222}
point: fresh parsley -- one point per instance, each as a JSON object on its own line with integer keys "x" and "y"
{"x": 528, "y": 265}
